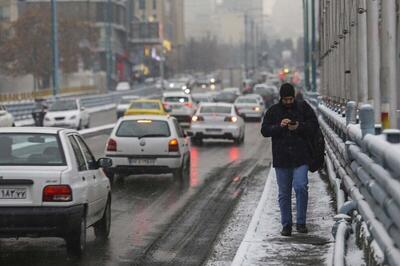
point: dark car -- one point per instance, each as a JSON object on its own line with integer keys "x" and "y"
{"x": 226, "y": 97}
{"x": 269, "y": 94}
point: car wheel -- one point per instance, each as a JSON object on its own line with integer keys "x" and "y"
{"x": 88, "y": 124}
{"x": 197, "y": 141}
{"x": 13, "y": 125}
{"x": 76, "y": 240}
{"x": 79, "y": 125}
{"x": 178, "y": 174}
{"x": 102, "y": 227}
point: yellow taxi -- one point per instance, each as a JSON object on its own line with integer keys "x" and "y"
{"x": 146, "y": 107}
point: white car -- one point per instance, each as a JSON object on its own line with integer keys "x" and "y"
{"x": 217, "y": 121}
{"x": 180, "y": 105}
{"x": 52, "y": 186}
{"x": 124, "y": 104}
{"x": 149, "y": 144}
{"x": 250, "y": 107}
{"x": 123, "y": 86}
{"x": 6, "y": 119}
{"x": 67, "y": 114}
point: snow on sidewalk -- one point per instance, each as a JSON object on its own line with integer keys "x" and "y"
{"x": 263, "y": 244}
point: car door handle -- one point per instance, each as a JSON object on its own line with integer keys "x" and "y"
{"x": 94, "y": 177}
{"x": 83, "y": 178}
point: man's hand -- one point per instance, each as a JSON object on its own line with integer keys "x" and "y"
{"x": 285, "y": 122}
{"x": 293, "y": 127}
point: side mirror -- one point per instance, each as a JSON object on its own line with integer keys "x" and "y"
{"x": 104, "y": 163}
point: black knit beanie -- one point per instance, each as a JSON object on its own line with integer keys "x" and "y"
{"x": 287, "y": 90}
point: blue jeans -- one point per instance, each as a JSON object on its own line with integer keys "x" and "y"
{"x": 298, "y": 179}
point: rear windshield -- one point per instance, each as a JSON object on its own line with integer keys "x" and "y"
{"x": 216, "y": 109}
{"x": 176, "y": 99}
{"x": 144, "y": 105}
{"x": 31, "y": 149}
{"x": 201, "y": 99}
{"x": 143, "y": 128}
{"x": 246, "y": 100}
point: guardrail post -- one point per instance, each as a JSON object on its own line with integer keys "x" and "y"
{"x": 351, "y": 113}
{"x": 367, "y": 120}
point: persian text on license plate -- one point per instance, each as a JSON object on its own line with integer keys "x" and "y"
{"x": 12, "y": 193}
{"x": 142, "y": 161}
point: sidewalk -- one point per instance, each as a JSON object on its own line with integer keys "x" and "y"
{"x": 263, "y": 244}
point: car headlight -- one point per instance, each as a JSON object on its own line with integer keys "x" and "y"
{"x": 72, "y": 117}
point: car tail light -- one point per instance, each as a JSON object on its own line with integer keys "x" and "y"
{"x": 190, "y": 105}
{"x": 111, "y": 145}
{"x": 232, "y": 119}
{"x": 57, "y": 193}
{"x": 197, "y": 118}
{"x": 166, "y": 106}
{"x": 173, "y": 145}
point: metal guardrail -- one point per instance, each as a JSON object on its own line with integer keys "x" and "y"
{"x": 364, "y": 172}
{"x": 23, "y": 110}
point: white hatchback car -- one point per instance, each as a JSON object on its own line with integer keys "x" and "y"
{"x": 6, "y": 118}
{"x": 148, "y": 144}
{"x": 51, "y": 185}
{"x": 67, "y": 114}
{"x": 250, "y": 107}
{"x": 180, "y": 105}
{"x": 217, "y": 121}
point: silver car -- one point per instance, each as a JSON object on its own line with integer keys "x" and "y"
{"x": 217, "y": 121}
{"x": 250, "y": 107}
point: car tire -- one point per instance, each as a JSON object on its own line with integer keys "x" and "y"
{"x": 197, "y": 141}
{"x": 76, "y": 239}
{"x": 102, "y": 227}
{"x": 88, "y": 124}
{"x": 79, "y": 125}
{"x": 178, "y": 174}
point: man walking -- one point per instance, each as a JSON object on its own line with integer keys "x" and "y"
{"x": 290, "y": 123}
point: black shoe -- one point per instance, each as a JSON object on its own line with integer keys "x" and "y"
{"x": 286, "y": 230}
{"x": 301, "y": 228}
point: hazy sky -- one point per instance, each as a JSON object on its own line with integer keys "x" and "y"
{"x": 286, "y": 17}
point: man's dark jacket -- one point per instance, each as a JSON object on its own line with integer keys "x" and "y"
{"x": 290, "y": 148}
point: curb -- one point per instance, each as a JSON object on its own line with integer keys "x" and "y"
{"x": 255, "y": 221}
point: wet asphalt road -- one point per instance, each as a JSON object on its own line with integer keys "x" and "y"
{"x": 154, "y": 216}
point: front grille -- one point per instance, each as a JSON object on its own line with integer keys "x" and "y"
{"x": 59, "y": 118}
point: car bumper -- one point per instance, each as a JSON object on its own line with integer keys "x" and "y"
{"x": 64, "y": 124}
{"x": 215, "y": 131}
{"x": 162, "y": 164}
{"x": 250, "y": 114}
{"x": 39, "y": 221}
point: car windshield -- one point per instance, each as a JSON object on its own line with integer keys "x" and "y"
{"x": 63, "y": 106}
{"x": 176, "y": 99}
{"x": 215, "y": 110}
{"x": 31, "y": 149}
{"x": 144, "y": 105}
{"x": 246, "y": 100}
{"x": 201, "y": 99}
{"x": 143, "y": 128}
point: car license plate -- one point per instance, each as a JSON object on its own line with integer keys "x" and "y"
{"x": 12, "y": 193}
{"x": 142, "y": 161}
{"x": 213, "y": 130}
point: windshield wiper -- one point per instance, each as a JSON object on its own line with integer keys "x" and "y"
{"x": 152, "y": 136}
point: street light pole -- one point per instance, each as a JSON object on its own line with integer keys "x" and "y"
{"x": 306, "y": 46}
{"x": 108, "y": 44}
{"x": 54, "y": 47}
{"x": 313, "y": 48}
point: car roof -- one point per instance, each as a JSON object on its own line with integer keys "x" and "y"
{"x": 35, "y": 130}
{"x": 246, "y": 97}
{"x": 175, "y": 93}
{"x": 141, "y": 100}
{"x": 217, "y": 104}
{"x": 130, "y": 97}
{"x": 143, "y": 117}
